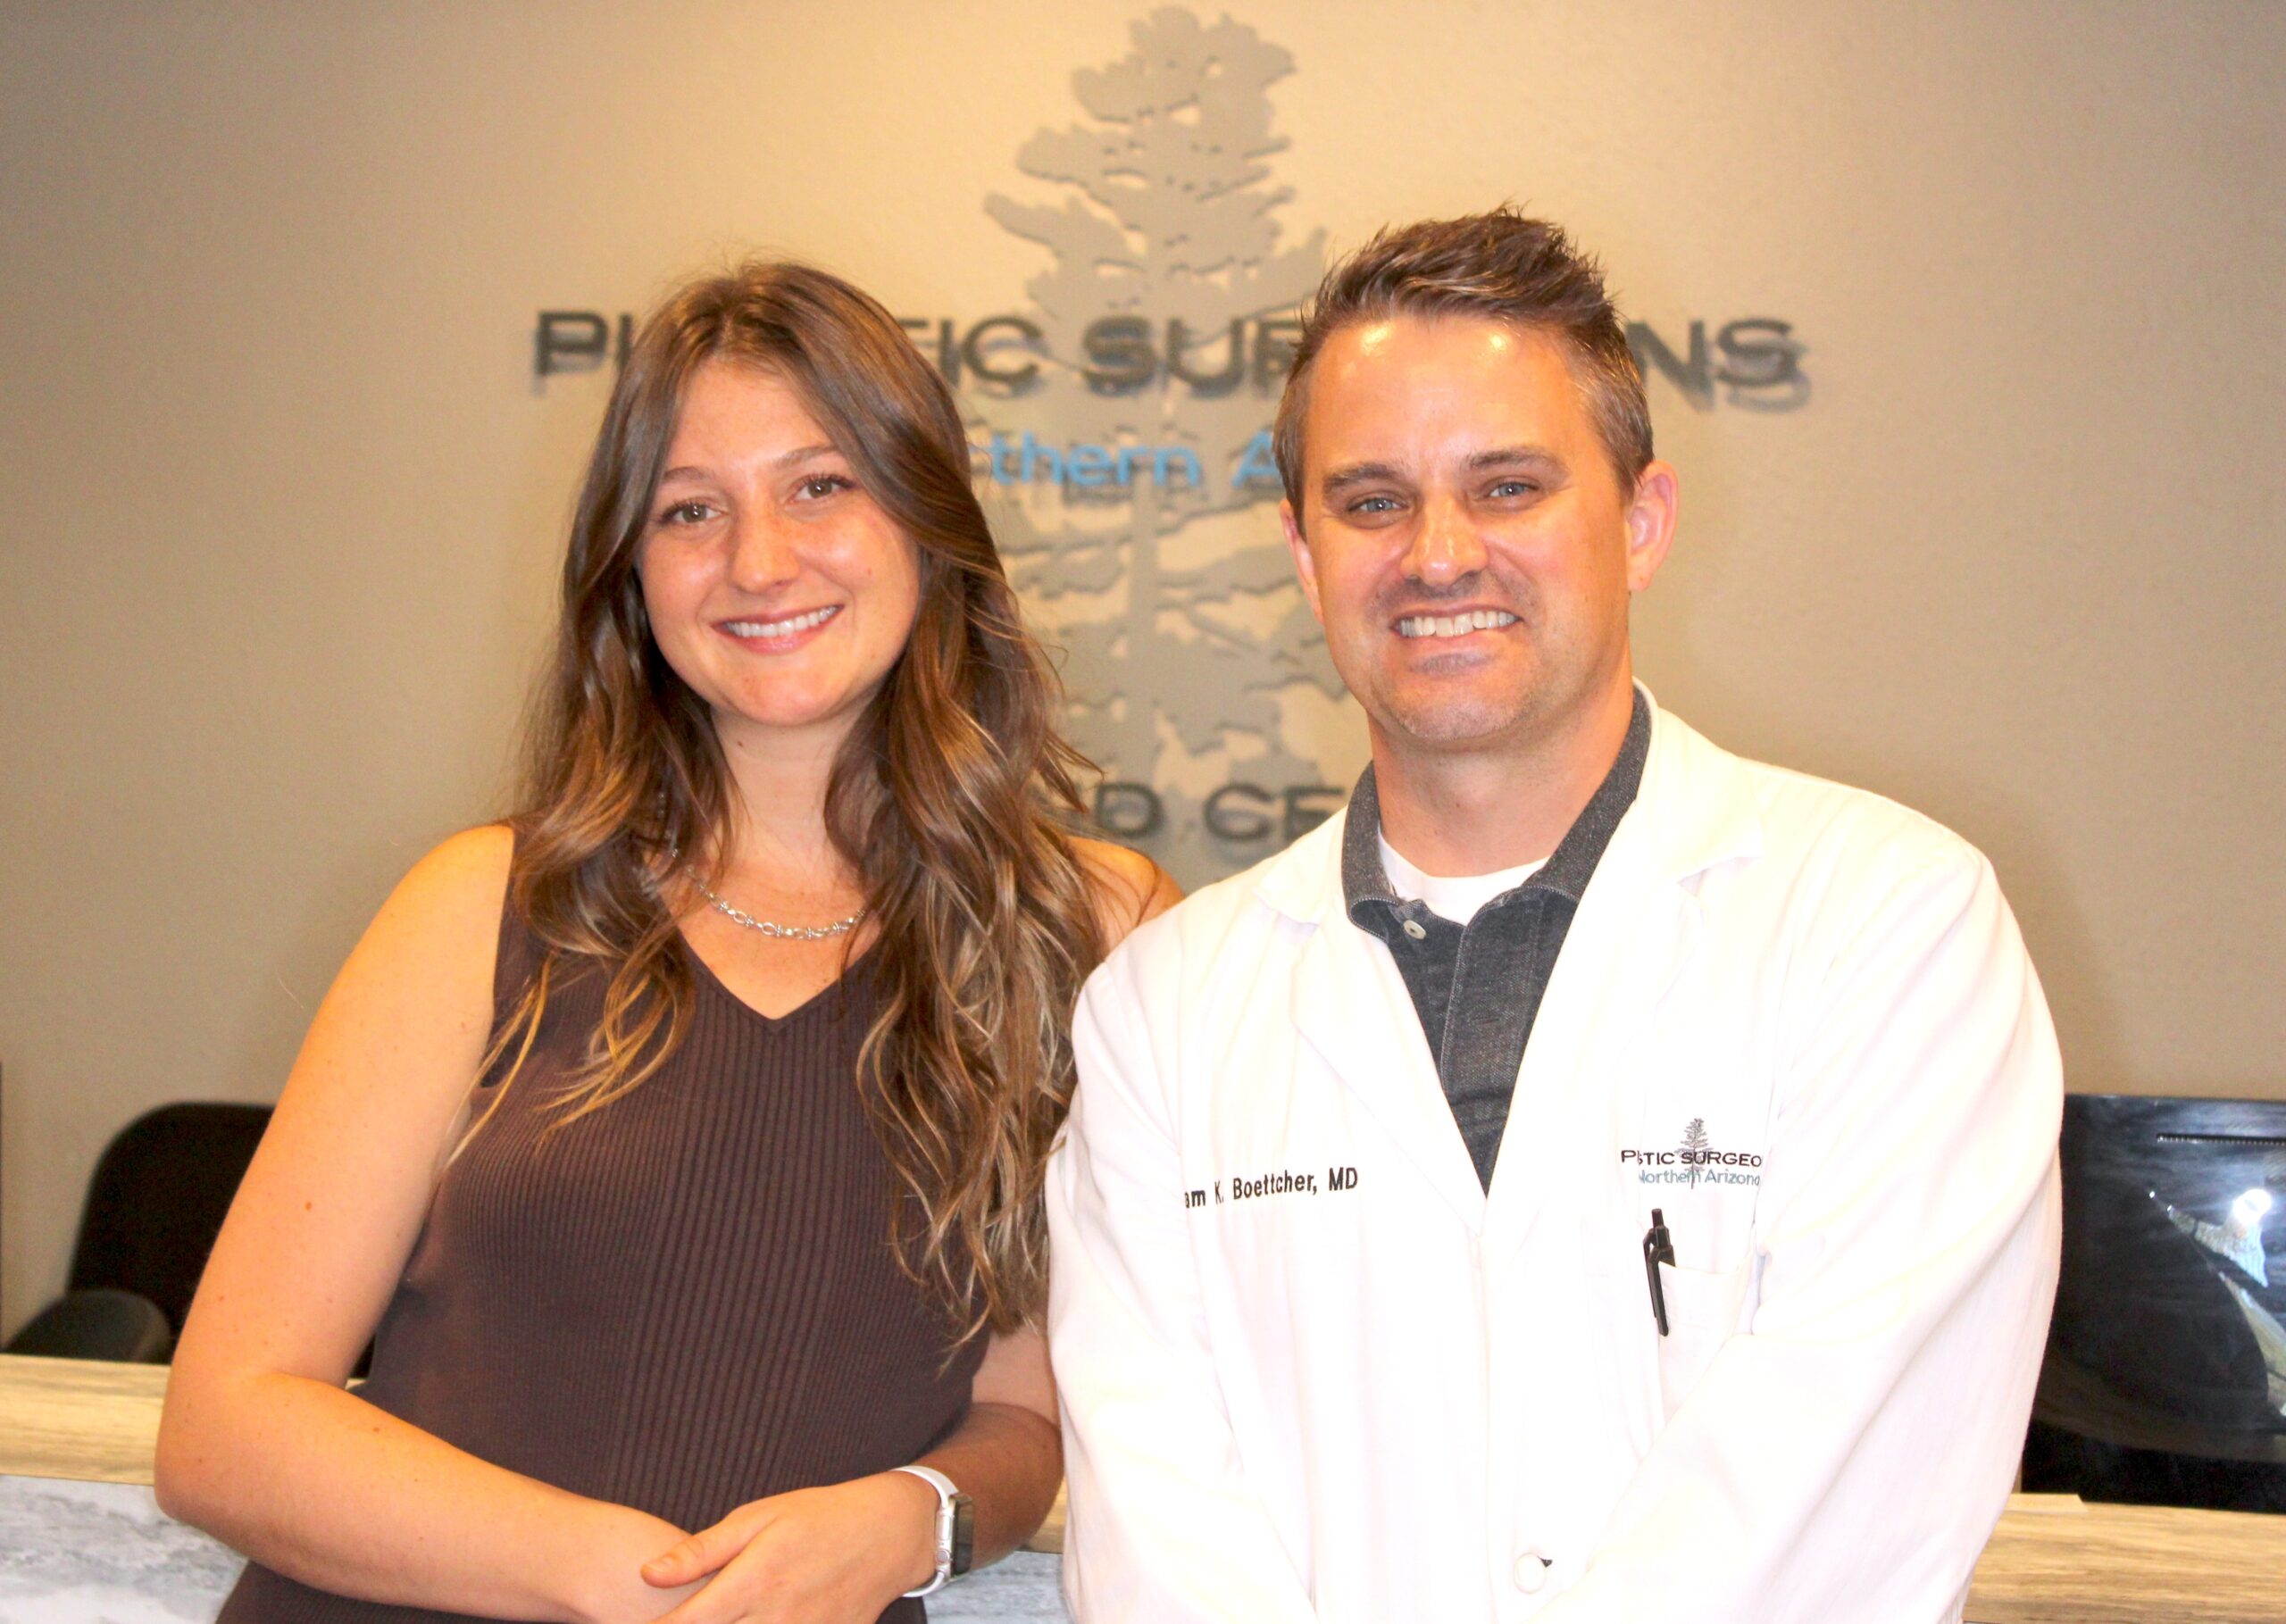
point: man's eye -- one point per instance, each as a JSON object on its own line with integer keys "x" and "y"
{"x": 1513, "y": 488}
{"x": 1375, "y": 504}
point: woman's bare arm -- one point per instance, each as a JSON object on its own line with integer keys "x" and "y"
{"x": 260, "y": 1444}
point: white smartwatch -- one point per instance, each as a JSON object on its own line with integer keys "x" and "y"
{"x": 955, "y": 1529}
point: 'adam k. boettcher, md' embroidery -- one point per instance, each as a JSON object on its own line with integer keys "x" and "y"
{"x": 1285, "y": 1181}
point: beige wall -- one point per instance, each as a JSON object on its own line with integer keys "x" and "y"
{"x": 281, "y": 498}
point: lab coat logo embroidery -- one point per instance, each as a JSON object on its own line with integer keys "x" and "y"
{"x": 1694, "y": 1140}
{"x": 1696, "y": 1161}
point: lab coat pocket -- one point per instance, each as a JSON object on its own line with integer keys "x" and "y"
{"x": 1703, "y": 1310}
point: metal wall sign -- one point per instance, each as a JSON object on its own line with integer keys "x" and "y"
{"x": 1120, "y": 421}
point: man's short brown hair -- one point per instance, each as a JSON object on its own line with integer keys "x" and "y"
{"x": 1503, "y": 267}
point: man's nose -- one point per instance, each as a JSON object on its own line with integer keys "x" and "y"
{"x": 763, "y": 554}
{"x": 1446, "y": 546}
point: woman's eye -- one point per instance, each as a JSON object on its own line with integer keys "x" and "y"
{"x": 824, "y": 485}
{"x": 687, "y": 512}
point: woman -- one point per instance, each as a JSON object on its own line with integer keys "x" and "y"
{"x": 683, "y": 1136}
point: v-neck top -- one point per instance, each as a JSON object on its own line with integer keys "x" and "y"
{"x": 683, "y": 1301}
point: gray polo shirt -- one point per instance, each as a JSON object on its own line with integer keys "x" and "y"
{"x": 1477, "y": 987}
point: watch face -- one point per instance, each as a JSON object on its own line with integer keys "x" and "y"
{"x": 963, "y": 1533}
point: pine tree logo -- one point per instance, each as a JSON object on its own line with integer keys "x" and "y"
{"x": 1695, "y": 1145}
{"x": 1193, "y": 661}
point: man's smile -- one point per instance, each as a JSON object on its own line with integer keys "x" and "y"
{"x": 1454, "y": 625}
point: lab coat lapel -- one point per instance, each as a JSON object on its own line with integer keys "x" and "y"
{"x": 1628, "y": 943}
{"x": 1352, "y": 1009}
{"x": 1636, "y": 928}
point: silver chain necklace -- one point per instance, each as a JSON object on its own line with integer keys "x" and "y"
{"x": 797, "y": 933}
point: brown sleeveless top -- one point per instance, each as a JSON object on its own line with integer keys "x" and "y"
{"x": 683, "y": 1301}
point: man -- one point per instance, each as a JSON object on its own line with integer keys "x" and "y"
{"x": 1594, "y": 1178}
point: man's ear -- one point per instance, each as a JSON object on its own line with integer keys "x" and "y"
{"x": 1305, "y": 566}
{"x": 1650, "y": 524}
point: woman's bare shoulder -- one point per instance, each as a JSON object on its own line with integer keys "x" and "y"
{"x": 475, "y": 860}
{"x": 1128, "y": 886}
{"x": 441, "y": 921}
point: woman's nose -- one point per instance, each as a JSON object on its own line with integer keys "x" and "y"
{"x": 761, "y": 552}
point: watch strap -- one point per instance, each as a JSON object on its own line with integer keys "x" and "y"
{"x": 947, "y": 1509}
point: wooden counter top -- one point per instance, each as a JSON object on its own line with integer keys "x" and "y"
{"x": 96, "y": 1422}
{"x": 2053, "y": 1560}
{"x": 2056, "y": 1559}
{"x": 78, "y": 1418}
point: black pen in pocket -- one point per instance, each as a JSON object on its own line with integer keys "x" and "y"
{"x": 1658, "y": 1247}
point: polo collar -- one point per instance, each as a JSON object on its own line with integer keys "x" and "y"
{"x": 1694, "y": 807}
{"x": 1365, "y": 882}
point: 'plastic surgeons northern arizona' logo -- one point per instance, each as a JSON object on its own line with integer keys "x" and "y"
{"x": 1697, "y": 1160}
{"x": 1119, "y": 418}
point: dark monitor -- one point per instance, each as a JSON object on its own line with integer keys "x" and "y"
{"x": 2165, "y": 1380}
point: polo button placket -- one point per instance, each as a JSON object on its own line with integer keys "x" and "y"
{"x": 1531, "y": 1572}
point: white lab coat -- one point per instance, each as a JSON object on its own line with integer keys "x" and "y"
{"x": 1311, "y": 1370}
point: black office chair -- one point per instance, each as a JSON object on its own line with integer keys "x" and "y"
{"x": 154, "y": 1204}
{"x": 2164, "y": 1378}
{"x": 97, "y": 1324}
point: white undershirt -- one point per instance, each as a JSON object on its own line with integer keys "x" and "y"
{"x": 1456, "y": 900}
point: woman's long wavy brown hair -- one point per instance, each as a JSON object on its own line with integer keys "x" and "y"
{"x": 950, "y": 799}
